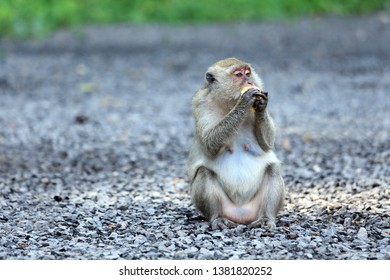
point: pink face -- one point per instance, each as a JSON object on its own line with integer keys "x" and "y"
{"x": 244, "y": 75}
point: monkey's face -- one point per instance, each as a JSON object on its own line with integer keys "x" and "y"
{"x": 226, "y": 84}
{"x": 242, "y": 76}
{"x": 226, "y": 78}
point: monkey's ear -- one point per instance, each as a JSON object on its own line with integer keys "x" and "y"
{"x": 210, "y": 77}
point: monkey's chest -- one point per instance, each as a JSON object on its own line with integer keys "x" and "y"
{"x": 240, "y": 169}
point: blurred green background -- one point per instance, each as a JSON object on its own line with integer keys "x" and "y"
{"x": 40, "y": 17}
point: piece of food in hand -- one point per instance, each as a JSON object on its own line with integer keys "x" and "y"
{"x": 244, "y": 89}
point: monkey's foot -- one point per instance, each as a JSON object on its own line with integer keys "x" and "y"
{"x": 222, "y": 223}
{"x": 262, "y": 222}
{"x": 271, "y": 224}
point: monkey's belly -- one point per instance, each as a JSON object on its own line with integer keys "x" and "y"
{"x": 241, "y": 173}
{"x": 243, "y": 214}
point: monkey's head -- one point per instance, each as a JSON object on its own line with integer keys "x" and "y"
{"x": 227, "y": 77}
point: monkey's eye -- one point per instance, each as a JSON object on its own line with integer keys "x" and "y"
{"x": 247, "y": 73}
{"x": 239, "y": 74}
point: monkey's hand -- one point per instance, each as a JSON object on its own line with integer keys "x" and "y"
{"x": 261, "y": 101}
{"x": 249, "y": 97}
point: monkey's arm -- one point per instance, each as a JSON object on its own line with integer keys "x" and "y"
{"x": 264, "y": 127}
{"x": 214, "y": 138}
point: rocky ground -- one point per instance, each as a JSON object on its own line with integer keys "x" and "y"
{"x": 95, "y": 128}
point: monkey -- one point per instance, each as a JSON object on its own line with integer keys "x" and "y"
{"x": 235, "y": 176}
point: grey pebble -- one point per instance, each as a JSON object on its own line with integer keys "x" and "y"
{"x": 362, "y": 234}
{"x": 150, "y": 211}
{"x": 140, "y": 240}
{"x": 205, "y": 253}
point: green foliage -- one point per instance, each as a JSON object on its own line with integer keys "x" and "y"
{"x": 39, "y": 17}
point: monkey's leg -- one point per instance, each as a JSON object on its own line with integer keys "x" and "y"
{"x": 270, "y": 197}
{"x": 206, "y": 193}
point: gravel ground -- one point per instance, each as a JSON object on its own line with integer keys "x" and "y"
{"x": 95, "y": 129}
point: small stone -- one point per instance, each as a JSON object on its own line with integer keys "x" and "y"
{"x": 123, "y": 207}
{"x": 302, "y": 244}
{"x": 140, "y": 239}
{"x": 151, "y": 211}
{"x": 258, "y": 245}
{"x": 181, "y": 233}
{"x": 45, "y": 180}
{"x": 206, "y": 253}
{"x": 166, "y": 246}
{"x": 81, "y": 119}
{"x": 234, "y": 257}
{"x": 309, "y": 255}
{"x": 362, "y": 234}
{"x": 387, "y": 250}
{"x": 113, "y": 235}
{"x": 330, "y": 232}
{"x": 313, "y": 244}
{"x": 347, "y": 222}
{"x": 317, "y": 169}
{"x": 217, "y": 234}
{"x": 292, "y": 235}
{"x": 192, "y": 250}
{"x": 321, "y": 250}
{"x": 201, "y": 236}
